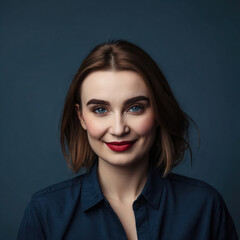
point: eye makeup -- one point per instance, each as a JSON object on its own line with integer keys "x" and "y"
{"x": 134, "y": 109}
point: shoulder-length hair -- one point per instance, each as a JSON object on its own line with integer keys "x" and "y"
{"x": 172, "y": 136}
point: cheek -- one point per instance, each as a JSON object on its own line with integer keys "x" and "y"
{"x": 94, "y": 127}
{"x": 145, "y": 125}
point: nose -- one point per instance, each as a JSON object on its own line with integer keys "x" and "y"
{"x": 118, "y": 125}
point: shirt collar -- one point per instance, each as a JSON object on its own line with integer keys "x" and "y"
{"x": 152, "y": 190}
{"x": 91, "y": 193}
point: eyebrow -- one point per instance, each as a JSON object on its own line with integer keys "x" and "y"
{"x": 128, "y": 101}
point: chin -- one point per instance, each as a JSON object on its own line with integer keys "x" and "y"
{"x": 121, "y": 161}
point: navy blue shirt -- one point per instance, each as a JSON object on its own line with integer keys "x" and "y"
{"x": 171, "y": 208}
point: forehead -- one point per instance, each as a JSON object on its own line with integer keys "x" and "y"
{"x": 113, "y": 85}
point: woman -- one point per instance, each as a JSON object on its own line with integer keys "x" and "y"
{"x": 122, "y": 123}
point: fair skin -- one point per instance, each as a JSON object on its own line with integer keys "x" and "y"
{"x": 122, "y": 174}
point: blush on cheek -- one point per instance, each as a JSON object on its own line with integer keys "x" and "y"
{"x": 94, "y": 129}
{"x": 145, "y": 125}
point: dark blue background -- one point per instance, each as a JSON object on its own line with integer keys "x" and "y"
{"x": 196, "y": 44}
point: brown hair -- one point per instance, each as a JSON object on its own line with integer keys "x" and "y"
{"x": 172, "y": 137}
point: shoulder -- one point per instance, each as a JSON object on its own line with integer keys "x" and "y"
{"x": 198, "y": 204}
{"x": 195, "y": 190}
{"x": 56, "y": 200}
{"x": 64, "y": 189}
{"x": 185, "y": 181}
{"x": 52, "y": 206}
{"x": 194, "y": 196}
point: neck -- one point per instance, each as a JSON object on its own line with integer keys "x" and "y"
{"x": 122, "y": 183}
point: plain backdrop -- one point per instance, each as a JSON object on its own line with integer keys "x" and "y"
{"x": 195, "y": 43}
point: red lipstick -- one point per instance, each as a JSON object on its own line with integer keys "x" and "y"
{"x": 120, "y": 146}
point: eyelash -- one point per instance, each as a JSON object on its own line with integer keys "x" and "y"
{"x": 134, "y": 106}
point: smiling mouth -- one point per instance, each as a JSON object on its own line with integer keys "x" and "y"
{"x": 120, "y": 146}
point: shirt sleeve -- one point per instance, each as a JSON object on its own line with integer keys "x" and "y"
{"x": 30, "y": 227}
{"x": 223, "y": 225}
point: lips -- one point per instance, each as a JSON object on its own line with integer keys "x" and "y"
{"x": 120, "y": 146}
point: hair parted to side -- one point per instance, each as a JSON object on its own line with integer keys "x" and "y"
{"x": 172, "y": 137}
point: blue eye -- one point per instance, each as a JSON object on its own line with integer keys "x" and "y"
{"x": 100, "y": 110}
{"x": 136, "y": 109}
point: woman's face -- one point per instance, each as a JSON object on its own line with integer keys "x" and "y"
{"x": 117, "y": 115}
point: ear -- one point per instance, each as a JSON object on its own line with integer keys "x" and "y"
{"x": 80, "y": 117}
